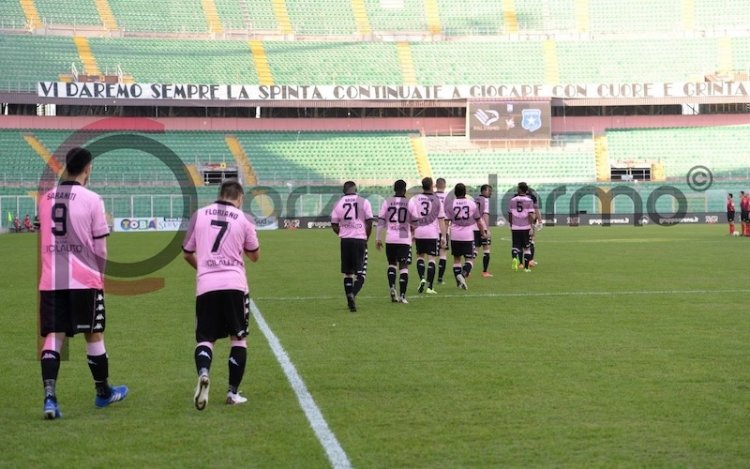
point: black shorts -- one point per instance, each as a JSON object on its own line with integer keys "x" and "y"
{"x": 430, "y": 247}
{"x": 398, "y": 253}
{"x": 521, "y": 239}
{"x": 730, "y": 216}
{"x": 71, "y": 311}
{"x": 744, "y": 215}
{"x": 221, "y": 313}
{"x": 479, "y": 241}
{"x": 463, "y": 248}
{"x": 353, "y": 256}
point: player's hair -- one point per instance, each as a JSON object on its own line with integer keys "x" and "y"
{"x": 76, "y": 160}
{"x": 460, "y": 190}
{"x": 350, "y": 187}
{"x": 427, "y": 184}
{"x": 440, "y": 183}
{"x": 523, "y": 188}
{"x": 399, "y": 186}
{"x": 730, "y": 195}
{"x": 231, "y": 189}
{"x": 484, "y": 187}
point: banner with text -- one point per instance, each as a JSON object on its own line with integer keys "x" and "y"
{"x": 152, "y": 91}
{"x": 135, "y": 224}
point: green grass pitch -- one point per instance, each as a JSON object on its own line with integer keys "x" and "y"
{"x": 625, "y": 347}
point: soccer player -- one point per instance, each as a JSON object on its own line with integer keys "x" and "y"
{"x": 351, "y": 220}
{"x": 520, "y": 219}
{"x": 71, "y": 286}
{"x": 395, "y": 220}
{"x": 464, "y": 218}
{"x": 426, "y": 210}
{"x": 27, "y": 224}
{"x": 730, "y": 213}
{"x": 483, "y": 205}
{"x": 745, "y": 213}
{"x": 217, "y": 237}
{"x": 440, "y": 193}
{"x": 537, "y": 226}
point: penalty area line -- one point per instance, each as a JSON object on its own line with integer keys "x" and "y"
{"x": 523, "y": 295}
{"x": 336, "y": 454}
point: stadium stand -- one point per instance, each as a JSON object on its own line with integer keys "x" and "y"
{"x": 232, "y": 14}
{"x": 75, "y": 12}
{"x": 177, "y": 61}
{"x": 389, "y": 18}
{"x": 11, "y": 15}
{"x": 319, "y": 157}
{"x": 726, "y": 150}
{"x": 164, "y": 15}
{"x": 28, "y": 59}
{"x": 347, "y": 63}
{"x": 620, "y": 61}
{"x": 478, "y": 62}
{"x": 321, "y": 17}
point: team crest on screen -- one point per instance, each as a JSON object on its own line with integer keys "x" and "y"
{"x": 531, "y": 119}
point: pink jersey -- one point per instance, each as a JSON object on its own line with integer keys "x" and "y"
{"x": 394, "y": 217}
{"x": 463, "y": 215}
{"x": 351, "y": 212}
{"x": 72, "y": 226}
{"x": 219, "y": 234}
{"x": 520, "y": 207}
{"x": 427, "y": 211}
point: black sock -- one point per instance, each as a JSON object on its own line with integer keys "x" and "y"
{"x": 532, "y": 249}
{"x": 456, "y": 270}
{"x": 467, "y": 269}
{"x": 391, "y": 276}
{"x": 358, "y": 284}
{"x": 99, "y": 366}
{"x": 430, "y": 273}
{"x": 237, "y": 360}
{"x": 526, "y": 259}
{"x": 420, "y": 268}
{"x": 348, "y": 286}
{"x": 515, "y": 254}
{"x": 50, "y": 367}
{"x": 441, "y": 269}
{"x": 485, "y": 261}
{"x": 403, "y": 281}
{"x": 203, "y": 357}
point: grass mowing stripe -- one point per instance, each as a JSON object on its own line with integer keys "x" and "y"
{"x": 521, "y": 295}
{"x": 336, "y": 454}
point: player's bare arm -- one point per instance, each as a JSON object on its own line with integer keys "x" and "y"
{"x": 253, "y": 255}
{"x": 190, "y": 259}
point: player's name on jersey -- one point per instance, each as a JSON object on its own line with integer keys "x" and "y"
{"x": 64, "y": 195}
{"x": 220, "y": 213}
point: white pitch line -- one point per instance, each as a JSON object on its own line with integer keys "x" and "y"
{"x": 524, "y": 295}
{"x": 334, "y": 451}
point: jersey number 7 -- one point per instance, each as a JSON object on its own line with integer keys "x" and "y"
{"x": 222, "y": 231}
